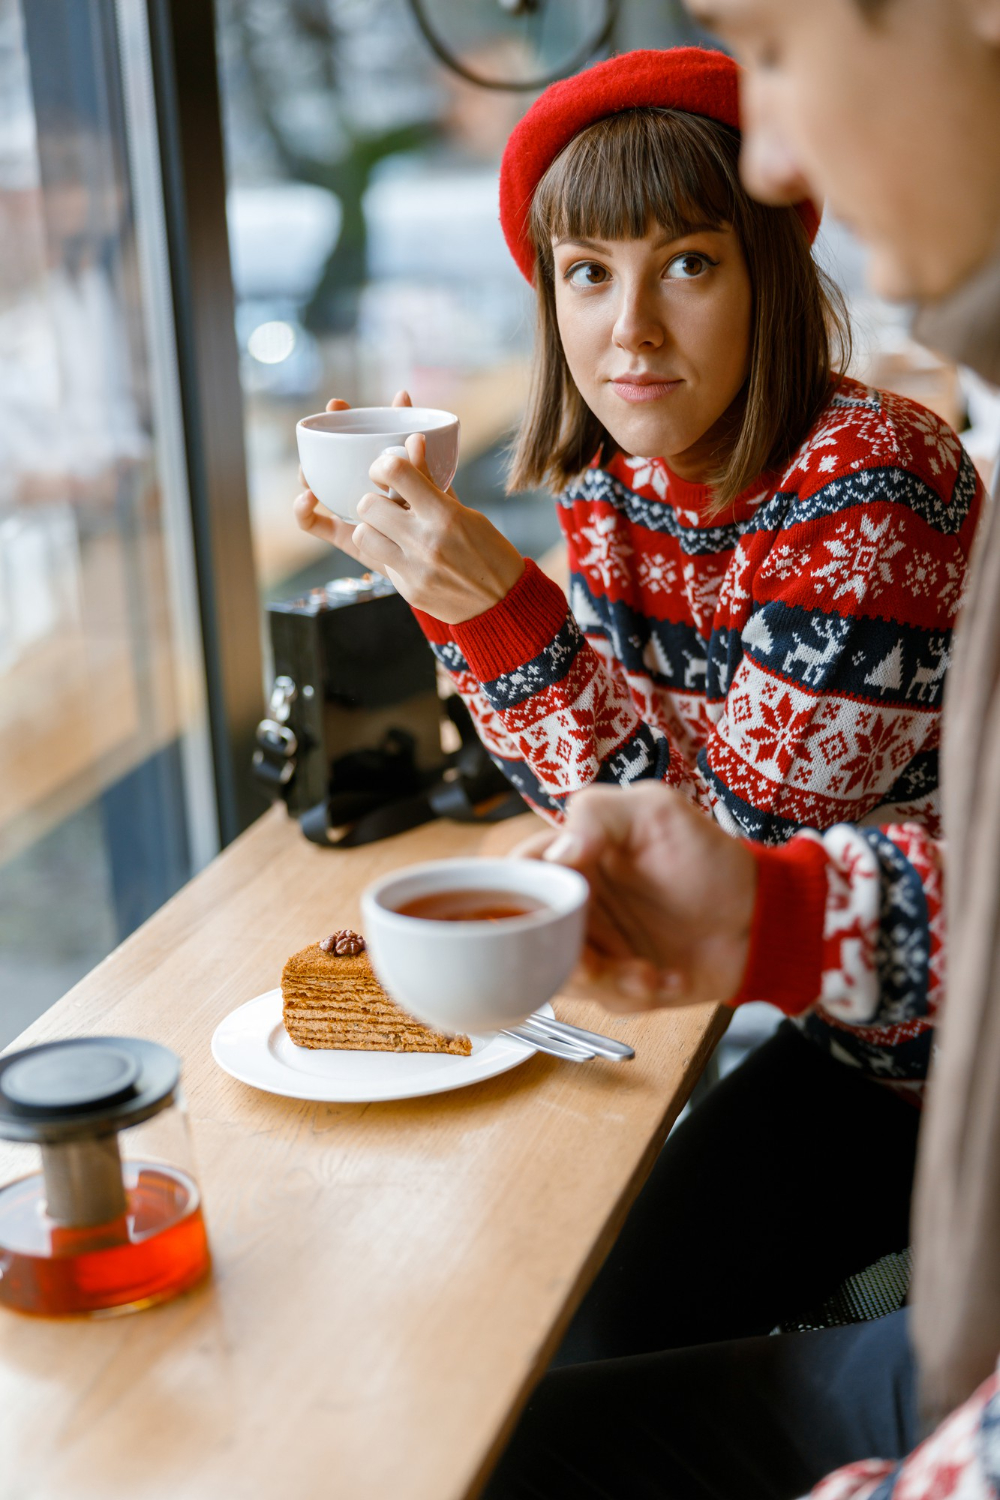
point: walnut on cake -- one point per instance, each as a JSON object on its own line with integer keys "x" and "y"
{"x": 331, "y": 999}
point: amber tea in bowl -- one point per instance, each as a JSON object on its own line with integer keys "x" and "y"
{"x": 475, "y": 944}
{"x": 470, "y": 906}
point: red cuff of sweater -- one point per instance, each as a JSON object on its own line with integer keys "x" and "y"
{"x": 510, "y": 633}
{"x": 436, "y": 631}
{"x": 785, "y": 962}
{"x": 516, "y": 630}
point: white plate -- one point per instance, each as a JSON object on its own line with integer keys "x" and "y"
{"x": 252, "y": 1045}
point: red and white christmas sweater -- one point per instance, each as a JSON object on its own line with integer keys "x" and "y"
{"x": 960, "y": 1461}
{"x": 784, "y": 667}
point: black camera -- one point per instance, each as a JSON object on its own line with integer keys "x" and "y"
{"x": 353, "y": 741}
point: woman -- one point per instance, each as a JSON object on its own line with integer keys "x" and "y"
{"x": 761, "y": 611}
{"x": 766, "y": 562}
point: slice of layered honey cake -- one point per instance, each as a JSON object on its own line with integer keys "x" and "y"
{"x": 331, "y": 999}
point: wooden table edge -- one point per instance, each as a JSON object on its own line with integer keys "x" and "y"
{"x": 710, "y": 1038}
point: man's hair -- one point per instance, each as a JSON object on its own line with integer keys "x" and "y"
{"x": 680, "y": 171}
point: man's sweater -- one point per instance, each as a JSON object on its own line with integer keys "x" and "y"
{"x": 959, "y": 1461}
{"x": 783, "y": 667}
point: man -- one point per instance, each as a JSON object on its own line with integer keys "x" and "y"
{"x": 890, "y": 109}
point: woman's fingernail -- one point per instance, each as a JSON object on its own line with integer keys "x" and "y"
{"x": 564, "y": 849}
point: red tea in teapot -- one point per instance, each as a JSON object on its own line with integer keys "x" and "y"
{"x": 155, "y": 1250}
{"x": 84, "y": 1229}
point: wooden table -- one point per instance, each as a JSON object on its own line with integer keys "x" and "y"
{"x": 390, "y": 1280}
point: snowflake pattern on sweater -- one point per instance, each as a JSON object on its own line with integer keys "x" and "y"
{"x": 848, "y": 940}
{"x": 783, "y": 668}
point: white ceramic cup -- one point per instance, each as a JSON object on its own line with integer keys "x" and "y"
{"x": 337, "y": 448}
{"x": 475, "y": 976}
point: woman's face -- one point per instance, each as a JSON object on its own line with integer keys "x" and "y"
{"x": 656, "y": 333}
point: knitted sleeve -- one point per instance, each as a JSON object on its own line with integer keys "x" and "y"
{"x": 848, "y": 935}
{"x": 551, "y": 714}
{"x": 960, "y": 1459}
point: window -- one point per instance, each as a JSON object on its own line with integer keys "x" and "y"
{"x": 107, "y": 801}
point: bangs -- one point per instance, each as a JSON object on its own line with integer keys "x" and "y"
{"x": 635, "y": 168}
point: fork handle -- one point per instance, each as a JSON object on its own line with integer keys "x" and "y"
{"x": 569, "y": 1052}
{"x": 604, "y": 1046}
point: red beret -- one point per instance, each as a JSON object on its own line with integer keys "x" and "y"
{"x": 695, "y": 79}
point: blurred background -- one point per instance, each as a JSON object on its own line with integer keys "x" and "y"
{"x": 363, "y": 222}
{"x": 213, "y": 219}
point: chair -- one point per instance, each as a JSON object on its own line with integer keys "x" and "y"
{"x": 872, "y": 1293}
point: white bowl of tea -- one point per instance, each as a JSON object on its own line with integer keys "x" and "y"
{"x": 471, "y": 945}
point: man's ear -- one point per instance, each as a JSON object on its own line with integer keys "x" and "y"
{"x": 983, "y": 18}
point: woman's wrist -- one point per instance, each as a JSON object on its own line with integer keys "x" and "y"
{"x": 439, "y": 629}
{"x": 505, "y": 574}
{"x": 516, "y": 629}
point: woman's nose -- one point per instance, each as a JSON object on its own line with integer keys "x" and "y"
{"x": 638, "y": 324}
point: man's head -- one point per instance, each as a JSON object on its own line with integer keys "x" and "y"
{"x": 890, "y": 110}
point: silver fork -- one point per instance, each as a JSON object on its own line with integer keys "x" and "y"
{"x": 545, "y": 1042}
{"x": 594, "y": 1041}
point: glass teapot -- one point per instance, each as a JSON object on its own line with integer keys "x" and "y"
{"x": 99, "y": 1209}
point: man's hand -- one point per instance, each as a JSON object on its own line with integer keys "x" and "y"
{"x": 672, "y": 897}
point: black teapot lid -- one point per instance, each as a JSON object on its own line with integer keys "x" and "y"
{"x": 85, "y": 1086}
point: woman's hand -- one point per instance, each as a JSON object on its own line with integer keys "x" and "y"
{"x": 314, "y": 517}
{"x": 444, "y": 557}
{"x": 672, "y": 897}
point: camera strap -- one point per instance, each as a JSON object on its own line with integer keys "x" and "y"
{"x": 472, "y": 790}
{"x": 444, "y": 800}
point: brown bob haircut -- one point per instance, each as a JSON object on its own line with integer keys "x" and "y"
{"x": 680, "y": 170}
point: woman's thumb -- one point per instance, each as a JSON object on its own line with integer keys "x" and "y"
{"x": 566, "y": 849}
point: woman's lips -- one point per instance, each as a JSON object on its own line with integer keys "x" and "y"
{"x": 632, "y": 388}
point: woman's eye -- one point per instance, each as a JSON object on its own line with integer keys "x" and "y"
{"x": 687, "y": 267}
{"x": 586, "y": 273}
